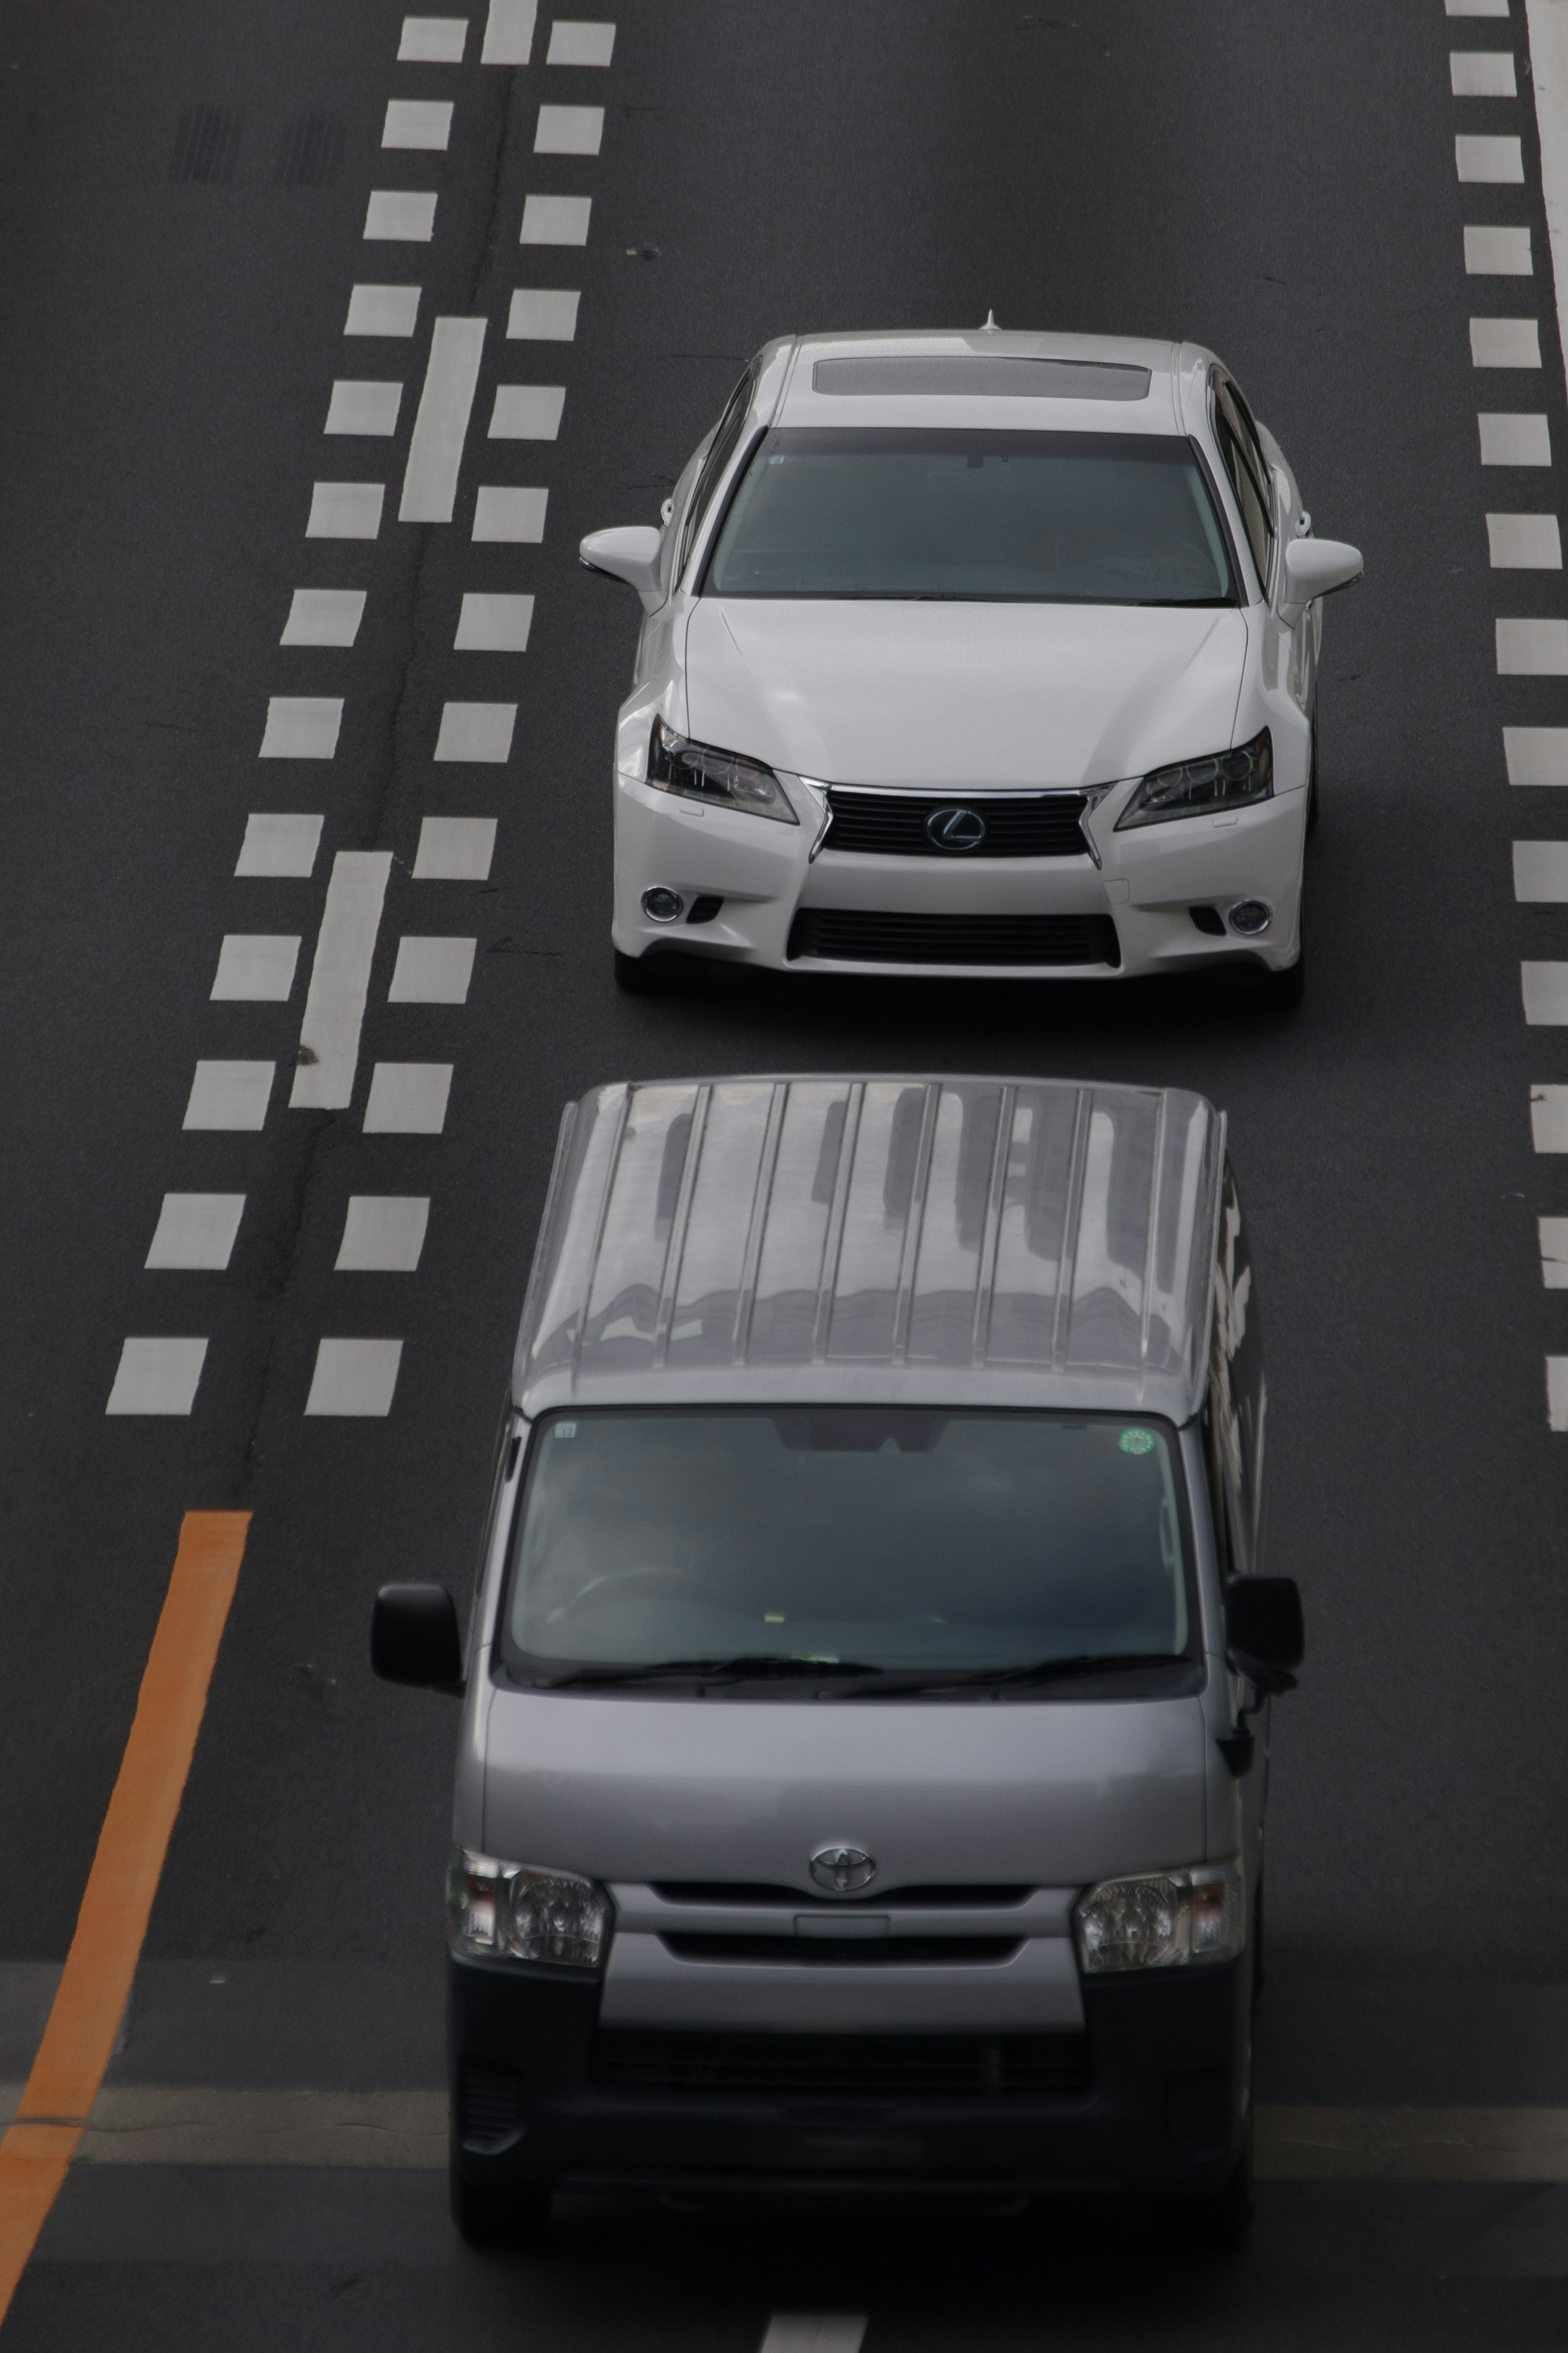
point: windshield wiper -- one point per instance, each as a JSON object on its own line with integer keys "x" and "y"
{"x": 761, "y": 1666}
{"x": 894, "y": 1686}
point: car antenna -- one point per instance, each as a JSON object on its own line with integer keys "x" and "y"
{"x": 990, "y": 328}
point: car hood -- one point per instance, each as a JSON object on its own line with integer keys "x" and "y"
{"x": 959, "y": 696}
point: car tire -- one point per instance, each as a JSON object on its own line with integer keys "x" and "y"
{"x": 514, "y": 2218}
{"x": 644, "y": 976}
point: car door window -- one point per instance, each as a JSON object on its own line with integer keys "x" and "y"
{"x": 720, "y": 450}
{"x": 1248, "y": 475}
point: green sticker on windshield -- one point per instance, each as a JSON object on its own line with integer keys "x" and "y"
{"x": 1137, "y": 1442}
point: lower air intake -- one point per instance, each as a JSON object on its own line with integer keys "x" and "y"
{"x": 487, "y": 2106}
{"x": 844, "y": 2066}
{"x": 843, "y": 936}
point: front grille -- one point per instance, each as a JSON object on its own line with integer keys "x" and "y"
{"x": 1017, "y": 825}
{"x": 849, "y": 937}
{"x": 844, "y": 2066}
{"x": 747, "y": 1892}
{"x": 487, "y": 2106}
{"x": 841, "y": 1952}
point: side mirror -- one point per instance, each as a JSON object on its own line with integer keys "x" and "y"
{"x": 629, "y": 553}
{"x": 1263, "y": 1634}
{"x": 1315, "y": 567}
{"x": 414, "y": 1637}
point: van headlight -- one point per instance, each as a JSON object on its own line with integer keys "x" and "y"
{"x": 697, "y": 772}
{"x": 511, "y": 1912}
{"x": 1226, "y": 780}
{"x": 1163, "y": 1919}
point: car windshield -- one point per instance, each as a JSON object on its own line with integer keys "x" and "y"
{"x": 895, "y": 1539}
{"x": 1014, "y": 518}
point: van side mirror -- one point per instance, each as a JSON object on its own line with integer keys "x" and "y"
{"x": 1263, "y": 1634}
{"x": 1315, "y": 567}
{"x": 414, "y": 1637}
{"x": 629, "y": 553}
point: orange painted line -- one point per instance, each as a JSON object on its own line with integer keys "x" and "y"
{"x": 118, "y": 1902}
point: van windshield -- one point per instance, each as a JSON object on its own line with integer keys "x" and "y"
{"x": 906, "y": 1539}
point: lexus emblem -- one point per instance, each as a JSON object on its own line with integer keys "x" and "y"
{"x": 843, "y": 1870}
{"x": 955, "y": 829}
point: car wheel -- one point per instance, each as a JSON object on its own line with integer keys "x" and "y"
{"x": 644, "y": 976}
{"x": 501, "y": 2218}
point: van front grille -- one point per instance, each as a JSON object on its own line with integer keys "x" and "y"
{"x": 852, "y": 937}
{"x": 844, "y": 2066}
{"x": 842, "y": 1952}
{"x": 1016, "y": 825}
{"x": 965, "y": 1896}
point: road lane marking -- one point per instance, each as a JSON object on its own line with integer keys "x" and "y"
{"x": 491, "y": 624}
{"x": 339, "y": 981}
{"x": 556, "y": 220}
{"x": 323, "y": 616}
{"x": 157, "y": 1377}
{"x": 543, "y": 314}
{"x": 408, "y": 1099}
{"x": 527, "y": 412}
{"x": 1536, "y": 755}
{"x": 400, "y": 217}
{"x": 1515, "y": 438}
{"x": 436, "y": 447}
{"x": 475, "y": 731}
{"x": 513, "y": 515}
{"x": 1505, "y": 344}
{"x": 1498, "y": 253}
{"x": 367, "y": 408}
{"x": 383, "y": 1233}
{"x": 1477, "y": 7}
{"x": 301, "y": 727}
{"x": 1411, "y": 2144}
{"x": 196, "y": 1230}
{"x": 454, "y": 850}
{"x": 814, "y": 2332}
{"x": 384, "y": 310}
{"x": 1524, "y": 543}
{"x": 1481, "y": 73}
{"x": 1544, "y": 988}
{"x": 1553, "y": 1233}
{"x": 278, "y": 844}
{"x": 257, "y": 967}
{"x": 1494, "y": 162}
{"x": 345, "y": 510}
{"x": 1557, "y": 1393}
{"x": 1549, "y": 1118}
{"x": 111, "y": 1924}
{"x": 432, "y": 971}
{"x": 354, "y": 1379}
{"x": 509, "y": 33}
{"x": 433, "y": 40}
{"x": 426, "y": 123}
{"x": 569, "y": 131}
{"x": 230, "y": 1095}
{"x": 575, "y": 43}
{"x": 1541, "y": 872}
{"x": 1533, "y": 648}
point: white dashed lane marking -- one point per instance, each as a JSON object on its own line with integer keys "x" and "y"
{"x": 433, "y": 40}
{"x": 1554, "y": 1238}
{"x": 454, "y": 850}
{"x": 157, "y": 1377}
{"x": 339, "y": 981}
{"x": 556, "y": 220}
{"x": 383, "y": 1233}
{"x": 386, "y": 310}
{"x": 507, "y": 514}
{"x": 1477, "y": 7}
{"x": 231, "y": 1095}
{"x": 1533, "y": 648}
{"x": 569, "y": 131}
{"x": 543, "y": 314}
{"x": 509, "y": 33}
{"x": 436, "y": 448}
{"x": 1514, "y": 438}
{"x": 432, "y": 971}
{"x": 370, "y": 408}
{"x": 1549, "y": 1118}
{"x": 475, "y": 731}
{"x": 301, "y": 727}
{"x": 814, "y": 2332}
{"x": 1505, "y": 344}
{"x": 1541, "y": 873}
{"x": 1524, "y": 543}
{"x": 345, "y": 510}
{"x": 408, "y": 1099}
{"x": 276, "y": 844}
{"x": 257, "y": 965}
{"x": 1499, "y": 161}
{"x": 1557, "y": 1392}
{"x": 577, "y": 44}
{"x": 422, "y": 122}
{"x": 400, "y": 217}
{"x": 1498, "y": 253}
{"x": 1544, "y": 988}
{"x": 196, "y": 1230}
{"x": 494, "y": 624}
{"x": 1481, "y": 73}
{"x": 527, "y": 412}
{"x": 354, "y": 1379}
{"x": 1536, "y": 755}
{"x": 323, "y": 616}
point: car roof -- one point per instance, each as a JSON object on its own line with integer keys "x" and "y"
{"x": 954, "y": 1241}
{"x": 984, "y": 377}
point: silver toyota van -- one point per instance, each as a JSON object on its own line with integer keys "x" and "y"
{"x": 865, "y": 1698}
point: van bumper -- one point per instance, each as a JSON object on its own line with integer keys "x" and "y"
{"x": 1158, "y": 2106}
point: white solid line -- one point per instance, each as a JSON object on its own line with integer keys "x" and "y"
{"x": 575, "y": 43}
{"x": 1477, "y": 7}
{"x": 509, "y": 33}
{"x": 490, "y": 623}
{"x": 370, "y": 408}
{"x": 1505, "y": 344}
{"x": 387, "y": 309}
{"x": 432, "y": 41}
{"x": 323, "y": 616}
{"x": 157, "y": 1377}
{"x": 454, "y": 850}
{"x": 1495, "y": 161}
{"x": 339, "y": 980}
{"x": 1541, "y": 873}
{"x": 1536, "y": 755}
{"x": 514, "y": 515}
{"x": 1554, "y": 1238}
{"x": 345, "y": 510}
{"x": 354, "y": 1379}
{"x": 1498, "y": 253}
{"x": 1524, "y": 543}
{"x": 408, "y": 1099}
{"x": 400, "y": 217}
{"x": 257, "y": 966}
{"x": 1547, "y": 24}
{"x": 569, "y": 131}
{"x": 543, "y": 314}
{"x": 1533, "y": 648}
{"x": 432, "y": 971}
{"x": 426, "y": 122}
{"x": 527, "y": 412}
{"x": 1549, "y": 1118}
{"x": 814, "y": 2332}
{"x": 301, "y": 727}
{"x": 1557, "y": 1392}
{"x": 1544, "y": 988}
{"x": 279, "y": 845}
{"x": 556, "y": 220}
{"x": 1481, "y": 73}
{"x": 231, "y": 1095}
{"x": 436, "y": 449}
{"x": 1514, "y": 438}
{"x": 383, "y": 1233}
{"x": 475, "y": 731}
{"x": 196, "y": 1230}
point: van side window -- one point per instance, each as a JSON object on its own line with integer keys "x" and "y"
{"x": 1239, "y": 446}
{"x": 720, "y": 450}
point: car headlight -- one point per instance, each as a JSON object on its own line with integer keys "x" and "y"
{"x": 1163, "y": 1919}
{"x": 1226, "y": 780}
{"x": 698, "y": 773}
{"x": 507, "y": 1911}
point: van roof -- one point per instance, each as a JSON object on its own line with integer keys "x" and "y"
{"x": 957, "y": 1240}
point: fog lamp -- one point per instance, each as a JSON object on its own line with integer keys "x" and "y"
{"x": 1250, "y": 916}
{"x": 662, "y": 906}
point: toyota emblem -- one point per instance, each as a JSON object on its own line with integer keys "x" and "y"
{"x": 955, "y": 829}
{"x": 843, "y": 1870}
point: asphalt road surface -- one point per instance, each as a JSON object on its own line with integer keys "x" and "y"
{"x": 184, "y": 196}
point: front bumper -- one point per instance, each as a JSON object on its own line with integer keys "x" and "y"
{"x": 765, "y": 877}
{"x": 1151, "y": 2101}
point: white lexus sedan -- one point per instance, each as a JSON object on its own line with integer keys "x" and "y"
{"x": 980, "y": 653}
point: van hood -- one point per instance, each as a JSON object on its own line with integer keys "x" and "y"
{"x": 957, "y": 697}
